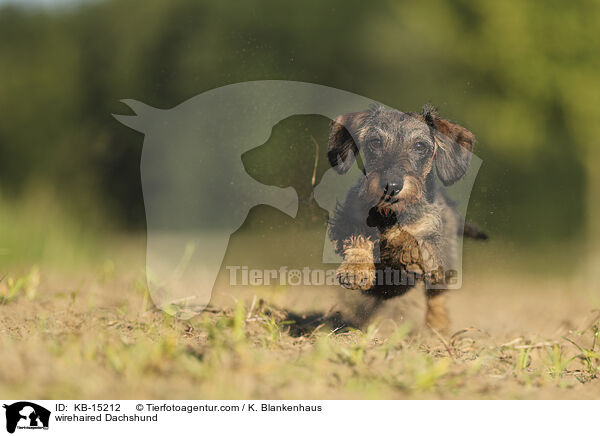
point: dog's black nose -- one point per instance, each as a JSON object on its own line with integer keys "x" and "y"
{"x": 393, "y": 188}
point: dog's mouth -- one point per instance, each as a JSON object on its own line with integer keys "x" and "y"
{"x": 389, "y": 201}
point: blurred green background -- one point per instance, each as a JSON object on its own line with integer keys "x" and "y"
{"x": 522, "y": 75}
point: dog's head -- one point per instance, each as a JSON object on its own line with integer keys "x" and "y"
{"x": 400, "y": 151}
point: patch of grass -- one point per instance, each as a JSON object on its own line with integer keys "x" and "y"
{"x": 558, "y": 361}
{"x": 589, "y": 357}
{"x": 105, "y": 340}
{"x": 25, "y": 286}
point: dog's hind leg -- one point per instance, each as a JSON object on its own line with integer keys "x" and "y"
{"x": 436, "y": 316}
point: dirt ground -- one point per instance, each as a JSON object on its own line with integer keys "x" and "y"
{"x": 94, "y": 334}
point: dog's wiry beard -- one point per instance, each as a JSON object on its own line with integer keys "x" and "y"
{"x": 411, "y": 193}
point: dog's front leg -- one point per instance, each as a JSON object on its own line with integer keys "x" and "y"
{"x": 436, "y": 316}
{"x": 420, "y": 254}
{"x": 357, "y": 271}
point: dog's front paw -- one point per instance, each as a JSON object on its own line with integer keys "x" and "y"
{"x": 358, "y": 270}
{"x": 359, "y": 276}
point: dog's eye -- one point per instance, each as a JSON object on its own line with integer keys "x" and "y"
{"x": 374, "y": 143}
{"x": 420, "y": 147}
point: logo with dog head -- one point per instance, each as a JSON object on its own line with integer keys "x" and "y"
{"x": 26, "y": 415}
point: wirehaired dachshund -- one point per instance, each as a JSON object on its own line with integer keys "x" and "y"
{"x": 397, "y": 226}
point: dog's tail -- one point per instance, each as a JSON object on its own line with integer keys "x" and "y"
{"x": 472, "y": 230}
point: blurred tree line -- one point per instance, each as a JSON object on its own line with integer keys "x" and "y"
{"x": 522, "y": 75}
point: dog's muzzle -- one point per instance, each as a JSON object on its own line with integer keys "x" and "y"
{"x": 399, "y": 193}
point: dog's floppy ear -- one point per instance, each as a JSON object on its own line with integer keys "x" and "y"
{"x": 454, "y": 146}
{"x": 342, "y": 147}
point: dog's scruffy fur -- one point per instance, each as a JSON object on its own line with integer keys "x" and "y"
{"x": 398, "y": 209}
